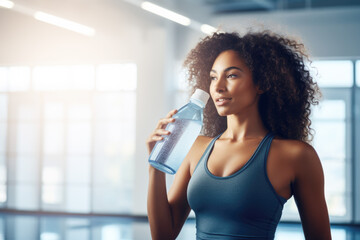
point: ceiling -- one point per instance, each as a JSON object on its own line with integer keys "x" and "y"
{"x": 229, "y": 6}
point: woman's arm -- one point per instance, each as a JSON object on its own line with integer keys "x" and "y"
{"x": 309, "y": 195}
{"x": 167, "y": 212}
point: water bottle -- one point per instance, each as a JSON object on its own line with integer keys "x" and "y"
{"x": 168, "y": 154}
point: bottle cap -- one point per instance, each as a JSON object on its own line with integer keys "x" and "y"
{"x": 201, "y": 95}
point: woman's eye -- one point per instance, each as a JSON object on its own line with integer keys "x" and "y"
{"x": 232, "y": 76}
{"x": 212, "y": 78}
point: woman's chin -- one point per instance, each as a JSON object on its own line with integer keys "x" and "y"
{"x": 222, "y": 113}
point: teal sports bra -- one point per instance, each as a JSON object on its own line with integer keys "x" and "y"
{"x": 243, "y": 205}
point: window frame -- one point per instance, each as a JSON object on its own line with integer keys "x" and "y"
{"x": 345, "y": 94}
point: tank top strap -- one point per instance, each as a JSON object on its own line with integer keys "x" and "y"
{"x": 207, "y": 150}
{"x": 263, "y": 157}
{"x": 266, "y": 144}
{"x": 211, "y": 144}
{"x": 262, "y": 151}
{"x": 213, "y": 141}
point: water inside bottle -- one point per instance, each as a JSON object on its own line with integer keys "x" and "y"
{"x": 169, "y": 153}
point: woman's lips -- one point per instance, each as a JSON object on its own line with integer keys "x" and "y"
{"x": 223, "y": 101}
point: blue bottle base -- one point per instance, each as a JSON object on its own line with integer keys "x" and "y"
{"x": 162, "y": 167}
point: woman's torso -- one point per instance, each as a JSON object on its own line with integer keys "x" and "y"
{"x": 226, "y": 168}
{"x": 280, "y": 162}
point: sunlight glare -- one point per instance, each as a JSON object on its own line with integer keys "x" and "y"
{"x": 113, "y": 77}
{"x": 19, "y": 79}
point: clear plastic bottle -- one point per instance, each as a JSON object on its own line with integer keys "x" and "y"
{"x": 168, "y": 154}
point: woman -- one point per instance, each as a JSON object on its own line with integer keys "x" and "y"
{"x": 253, "y": 154}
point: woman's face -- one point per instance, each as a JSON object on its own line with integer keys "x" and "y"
{"x": 231, "y": 87}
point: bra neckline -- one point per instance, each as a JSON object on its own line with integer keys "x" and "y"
{"x": 242, "y": 168}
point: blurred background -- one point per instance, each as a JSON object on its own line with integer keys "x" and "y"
{"x": 84, "y": 82}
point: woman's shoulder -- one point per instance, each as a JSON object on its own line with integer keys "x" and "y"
{"x": 298, "y": 154}
{"x": 294, "y": 150}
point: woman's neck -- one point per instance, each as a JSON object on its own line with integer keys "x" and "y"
{"x": 244, "y": 126}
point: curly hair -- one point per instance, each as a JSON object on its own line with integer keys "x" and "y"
{"x": 278, "y": 68}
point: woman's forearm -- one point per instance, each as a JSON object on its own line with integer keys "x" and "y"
{"x": 159, "y": 211}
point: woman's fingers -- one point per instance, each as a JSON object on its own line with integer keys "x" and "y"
{"x": 164, "y": 121}
{"x": 154, "y": 137}
{"x": 157, "y": 138}
{"x": 157, "y": 134}
{"x": 171, "y": 113}
{"x": 161, "y": 132}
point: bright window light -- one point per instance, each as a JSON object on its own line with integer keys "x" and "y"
{"x": 115, "y": 77}
{"x": 51, "y": 175}
{"x": 64, "y": 23}
{"x": 3, "y": 195}
{"x": 6, "y": 4}
{"x": 3, "y": 79}
{"x": 163, "y": 12}
{"x": 49, "y": 236}
{"x": 19, "y": 79}
{"x": 51, "y": 78}
{"x": 82, "y": 77}
{"x": 53, "y": 110}
{"x": 79, "y": 112}
{"x": 333, "y": 73}
{"x": 53, "y": 140}
{"x": 207, "y": 29}
{"x": 111, "y": 232}
{"x": 358, "y": 73}
{"x": 3, "y": 173}
{"x": 330, "y": 109}
{"x": 181, "y": 77}
{"x": 52, "y": 194}
{"x": 78, "y": 138}
{"x": 52, "y": 190}
{"x": 78, "y": 77}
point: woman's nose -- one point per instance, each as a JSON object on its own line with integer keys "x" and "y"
{"x": 220, "y": 85}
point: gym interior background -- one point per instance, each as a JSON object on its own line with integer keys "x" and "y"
{"x": 83, "y": 83}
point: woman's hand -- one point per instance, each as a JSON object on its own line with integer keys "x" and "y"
{"x": 156, "y": 135}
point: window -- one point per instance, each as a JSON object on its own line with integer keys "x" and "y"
{"x": 66, "y": 144}
{"x": 3, "y": 141}
{"x": 358, "y": 73}
{"x": 182, "y": 94}
{"x": 331, "y": 121}
{"x": 333, "y": 73}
